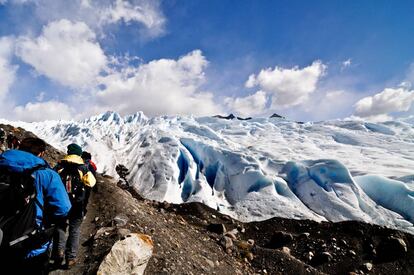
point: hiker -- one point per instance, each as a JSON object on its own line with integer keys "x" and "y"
{"x": 12, "y": 141}
{"x": 2, "y": 140}
{"x": 37, "y": 191}
{"x": 76, "y": 178}
{"x": 87, "y": 158}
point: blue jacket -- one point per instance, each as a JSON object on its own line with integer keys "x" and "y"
{"x": 50, "y": 190}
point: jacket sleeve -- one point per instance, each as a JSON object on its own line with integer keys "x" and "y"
{"x": 56, "y": 199}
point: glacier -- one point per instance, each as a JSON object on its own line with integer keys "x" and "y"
{"x": 256, "y": 169}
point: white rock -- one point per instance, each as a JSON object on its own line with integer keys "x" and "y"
{"x": 128, "y": 256}
{"x": 104, "y": 231}
{"x": 368, "y": 266}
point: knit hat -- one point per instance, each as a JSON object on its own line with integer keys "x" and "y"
{"x": 74, "y": 149}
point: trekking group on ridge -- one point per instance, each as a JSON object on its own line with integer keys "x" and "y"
{"x": 39, "y": 204}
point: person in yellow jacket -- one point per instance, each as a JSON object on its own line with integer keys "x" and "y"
{"x": 76, "y": 178}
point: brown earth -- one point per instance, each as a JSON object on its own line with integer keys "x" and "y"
{"x": 184, "y": 243}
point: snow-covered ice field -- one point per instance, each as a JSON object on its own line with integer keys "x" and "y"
{"x": 256, "y": 169}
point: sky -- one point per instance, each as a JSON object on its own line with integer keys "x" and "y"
{"x": 306, "y": 60}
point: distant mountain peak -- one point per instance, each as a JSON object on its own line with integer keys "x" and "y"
{"x": 276, "y": 116}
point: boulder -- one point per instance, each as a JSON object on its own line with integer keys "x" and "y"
{"x": 218, "y": 228}
{"x": 391, "y": 249}
{"x": 321, "y": 258}
{"x": 103, "y": 231}
{"x": 279, "y": 239}
{"x": 245, "y": 245}
{"x": 226, "y": 242}
{"x": 367, "y": 267}
{"x": 128, "y": 256}
{"x": 231, "y": 235}
{"x": 120, "y": 220}
{"x": 286, "y": 250}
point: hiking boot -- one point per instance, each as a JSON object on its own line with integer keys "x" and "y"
{"x": 58, "y": 259}
{"x": 70, "y": 263}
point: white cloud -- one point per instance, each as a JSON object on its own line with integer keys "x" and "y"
{"x": 7, "y": 70}
{"x": 388, "y": 101}
{"x": 164, "y": 86}
{"x": 99, "y": 13}
{"x": 405, "y": 84}
{"x": 146, "y": 13}
{"x": 40, "y": 96}
{"x": 346, "y": 63}
{"x": 40, "y": 111}
{"x": 332, "y": 95}
{"x": 66, "y": 52}
{"x": 248, "y": 106}
{"x": 288, "y": 87}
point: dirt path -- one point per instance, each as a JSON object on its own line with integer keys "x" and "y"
{"x": 88, "y": 228}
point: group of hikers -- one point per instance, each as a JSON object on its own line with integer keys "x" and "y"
{"x": 8, "y": 141}
{"x": 42, "y": 209}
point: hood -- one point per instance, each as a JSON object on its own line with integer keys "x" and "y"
{"x": 73, "y": 159}
{"x": 18, "y": 161}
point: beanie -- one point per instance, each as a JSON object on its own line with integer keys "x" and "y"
{"x": 74, "y": 149}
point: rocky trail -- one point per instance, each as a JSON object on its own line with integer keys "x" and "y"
{"x": 194, "y": 239}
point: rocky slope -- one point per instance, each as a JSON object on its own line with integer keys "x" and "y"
{"x": 194, "y": 239}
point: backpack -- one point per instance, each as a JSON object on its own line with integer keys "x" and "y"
{"x": 18, "y": 200}
{"x": 71, "y": 178}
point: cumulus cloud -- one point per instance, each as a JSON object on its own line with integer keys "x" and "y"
{"x": 40, "y": 111}
{"x": 163, "y": 86}
{"x": 248, "y": 106}
{"x": 288, "y": 87}
{"x": 7, "y": 70}
{"x": 388, "y": 101}
{"x": 65, "y": 52}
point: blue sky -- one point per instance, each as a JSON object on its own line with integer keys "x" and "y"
{"x": 308, "y": 60}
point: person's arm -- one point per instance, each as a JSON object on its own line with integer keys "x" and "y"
{"x": 56, "y": 199}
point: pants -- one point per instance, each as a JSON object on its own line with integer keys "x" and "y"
{"x": 70, "y": 245}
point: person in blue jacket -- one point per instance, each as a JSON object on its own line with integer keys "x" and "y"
{"x": 51, "y": 195}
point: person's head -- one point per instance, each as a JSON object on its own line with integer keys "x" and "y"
{"x": 86, "y": 155}
{"x": 36, "y": 146}
{"x": 74, "y": 149}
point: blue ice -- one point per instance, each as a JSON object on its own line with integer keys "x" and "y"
{"x": 391, "y": 194}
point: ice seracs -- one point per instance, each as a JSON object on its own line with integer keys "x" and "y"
{"x": 259, "y": 168}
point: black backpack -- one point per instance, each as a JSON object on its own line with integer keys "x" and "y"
{"x": 69, "y": 173}
{"x": 18, "y": 227}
